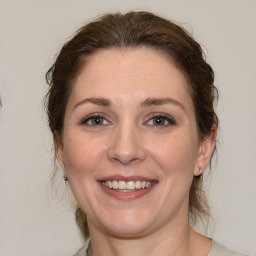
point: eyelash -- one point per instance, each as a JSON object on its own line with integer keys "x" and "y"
{"x": 164, "y": 118}
{"x": 94, "y": 117}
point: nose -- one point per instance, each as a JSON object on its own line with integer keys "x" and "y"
{"x": 126, "y": 146}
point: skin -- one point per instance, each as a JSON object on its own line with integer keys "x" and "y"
{"x": 128, "y": 142}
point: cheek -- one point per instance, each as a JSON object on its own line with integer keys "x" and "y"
{"x": 82, "y": 155}
{"x": 175, "y": 153}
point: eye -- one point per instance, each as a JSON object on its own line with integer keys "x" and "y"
{"x": 160, "y": 120}
{"x": 95, "y": 120}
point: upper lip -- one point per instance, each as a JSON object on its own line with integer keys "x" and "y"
{"x": 125, "y": 178}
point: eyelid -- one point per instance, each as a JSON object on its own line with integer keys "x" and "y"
{"x": 169, "y": 118}
{"x": 85, "y": 119}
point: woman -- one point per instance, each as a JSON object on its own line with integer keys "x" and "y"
{"x": 130, "y": 106}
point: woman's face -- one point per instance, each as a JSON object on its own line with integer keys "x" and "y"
{"x": 130, "y": 146}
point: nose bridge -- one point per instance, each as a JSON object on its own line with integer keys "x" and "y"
{"x": 126, "y": 144}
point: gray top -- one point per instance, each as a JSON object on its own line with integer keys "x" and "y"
{"x": 220, "y": 250}
{"x": 216, "y": 250}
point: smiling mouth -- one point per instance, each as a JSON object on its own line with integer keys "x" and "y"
{"x": 129, "y": 186}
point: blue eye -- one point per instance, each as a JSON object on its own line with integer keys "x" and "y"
{"x": 95, "y": 120}
{"x": 160, "y": 120}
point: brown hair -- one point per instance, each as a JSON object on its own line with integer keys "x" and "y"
{"x": 136, "y": 29}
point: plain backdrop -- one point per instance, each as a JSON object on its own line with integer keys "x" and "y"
{"x": 32, "y": 221}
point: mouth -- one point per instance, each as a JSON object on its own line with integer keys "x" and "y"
{"x": 127, "y": 186}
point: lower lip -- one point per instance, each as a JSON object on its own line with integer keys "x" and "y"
{"x": 127, "y": 196}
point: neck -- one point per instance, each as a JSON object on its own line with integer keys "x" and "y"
{"x": 180, "y": 242}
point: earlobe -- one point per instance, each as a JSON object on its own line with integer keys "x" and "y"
{"x": 205, "y": 151}
{"x": 58, "y": 146}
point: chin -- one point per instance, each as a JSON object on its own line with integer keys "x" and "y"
{"x": 127, "y": 225}
{"x": 130, "y": 231}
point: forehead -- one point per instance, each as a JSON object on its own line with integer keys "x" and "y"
{"x": 133, "y": 72}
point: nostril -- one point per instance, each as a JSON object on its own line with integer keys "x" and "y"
{"x": 125, "y": 160}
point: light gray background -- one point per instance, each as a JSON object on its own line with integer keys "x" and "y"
{"x": 31, "y": 32}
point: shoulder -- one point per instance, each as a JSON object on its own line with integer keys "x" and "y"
{"x": 84, "y": 250}
{"x": 216, "y": 250}
{"x": 220, "y": 250}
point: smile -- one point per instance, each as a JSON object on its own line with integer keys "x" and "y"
{"x": 128, "y": 186}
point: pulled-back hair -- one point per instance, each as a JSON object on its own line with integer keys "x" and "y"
{"x": 135, "y": 29}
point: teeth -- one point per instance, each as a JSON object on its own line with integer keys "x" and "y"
{"x": 114, "y": 184}
{"x": 109, "y": 184}
{"x": 130, "y": 185}
{"x": 138, "y": 184}
{"x": 122, "y": 184}
{"x": 126, "y": 186}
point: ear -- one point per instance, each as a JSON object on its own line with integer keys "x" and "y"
{"x": 58, "y": 146}
{"x": 205, "y": 151}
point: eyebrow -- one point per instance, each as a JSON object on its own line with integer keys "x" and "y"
{"x": 146, "y": 103}
{"x": 161, "y": 101}
{"x": 97, "y": 101}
